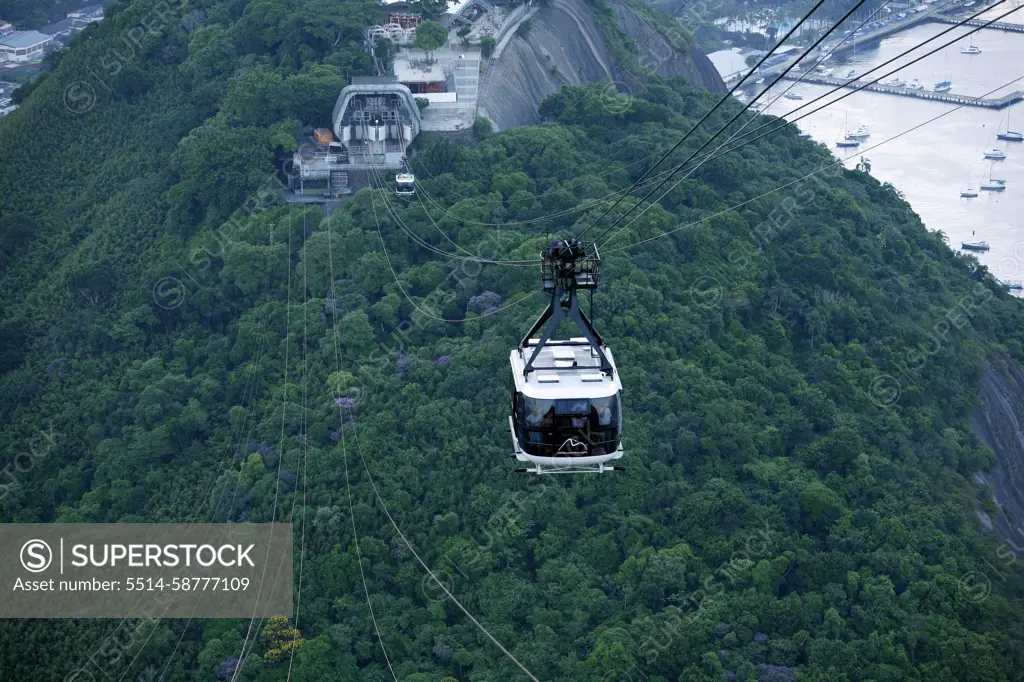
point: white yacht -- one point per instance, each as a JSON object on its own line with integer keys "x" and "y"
{"x": 792, "y": 95}
{"x": 992, "y": 185}
{"x": 915, "y": 85}
{"x": 759, "y": 81}
{"x": 846, "y": 140}
{"x": 852, "y": 73}
{"x": 997, "y": 154}
{"x": 975, "y": 246}
{"x": 970, "y": 49}
{"x": 896, "y": 81}
{"x": 860, "y": 133}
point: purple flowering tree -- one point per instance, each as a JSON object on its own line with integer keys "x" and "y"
{"x": 486, "y": 303}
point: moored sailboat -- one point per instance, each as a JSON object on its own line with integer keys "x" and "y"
{"x": 844, "y": 140}
{"x": 946, "y": 85}
{"x": 1007, "y": 134}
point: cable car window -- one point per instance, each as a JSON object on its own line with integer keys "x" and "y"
{"x": 606, "y": 410}
{"x": 539, "y": 412}
{"x": 572, "y": 406}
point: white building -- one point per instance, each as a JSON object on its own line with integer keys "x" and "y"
{"x": 5, "y": 28}
{"x": 90, "y": 13}
{"x": 731, "y": 63}
{"x": 24, "y": 46}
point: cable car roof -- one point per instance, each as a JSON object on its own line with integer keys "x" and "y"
{"x": 565, "y": 371}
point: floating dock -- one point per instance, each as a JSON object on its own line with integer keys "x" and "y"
{"x": 947, "y": 97}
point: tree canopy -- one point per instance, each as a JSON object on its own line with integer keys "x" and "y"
{"x": 430, "y": 35}
{"x": 799, "y": 371}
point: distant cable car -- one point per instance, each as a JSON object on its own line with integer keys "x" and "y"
{"x": 405, "y": 184}
{"x": 566, "y": 395}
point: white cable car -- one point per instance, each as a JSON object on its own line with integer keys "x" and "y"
{"x": 405, "y": 184}
{"x": 566, "y": 395}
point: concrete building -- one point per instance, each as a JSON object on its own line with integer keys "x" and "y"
{"x": 466, "y": 11}
{"x": 87, "y": 14}
{"x": 24, "y": 46}
{"x": 7, "y": 104}
{"x": 420, "y": 76}
{"x": 63, "y": 27}
{"x": 403, "y": 14}
{"x": 731, "y": 64}
{"x": 374, "y": 121}
{"x": 376, "y": 118}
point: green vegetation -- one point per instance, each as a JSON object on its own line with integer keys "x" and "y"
{"x": 430, "y": 35}
{"x": 29, "y": 13}
{"x": 487, "y": 45}
{"x": 165, "y": 319}
{"x": 482, "y": 127}
{"x": 626, "y": 50}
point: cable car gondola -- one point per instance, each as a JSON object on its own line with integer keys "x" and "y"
{"x": 566, "y": 394}
{"x": 405, "y": 184}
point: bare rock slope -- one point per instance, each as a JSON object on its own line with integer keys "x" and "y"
{"x": 998, "y": 423}
{"x": 657, "y": 53}
{"x": 565, "y": 46}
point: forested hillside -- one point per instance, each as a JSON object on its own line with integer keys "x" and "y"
{"x": 177, "y": 345}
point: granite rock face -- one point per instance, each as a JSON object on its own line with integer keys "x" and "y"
{"x": 565, "y": 46}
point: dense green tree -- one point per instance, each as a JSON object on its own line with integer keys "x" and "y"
{"x": 430, "y": 35}
{"x": 177, "y": 345}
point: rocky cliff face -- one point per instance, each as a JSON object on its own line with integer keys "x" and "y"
{"x": 565, "y": 46}
{"x": 657, "y": 53}
{"x": 998, "y": 423}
